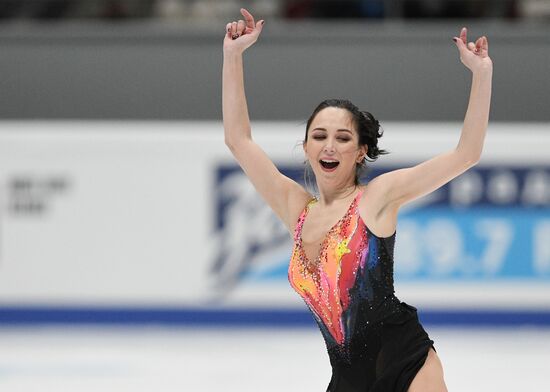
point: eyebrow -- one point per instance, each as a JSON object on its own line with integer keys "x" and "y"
{"x": 341, "y": 129}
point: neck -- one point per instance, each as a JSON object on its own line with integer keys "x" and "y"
{"x": 328, "y": 196}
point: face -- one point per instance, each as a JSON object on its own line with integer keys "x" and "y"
{"x": 332, "y": 147}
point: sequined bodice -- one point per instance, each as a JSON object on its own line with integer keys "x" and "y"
{"x": 349, "y": 289}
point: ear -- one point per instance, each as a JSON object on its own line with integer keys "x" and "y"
{"x": 362, "y": 153}
{"x": 304, "y": 147}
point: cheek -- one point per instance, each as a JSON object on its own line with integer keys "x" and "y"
{"x": 349, "y": 150}
{"x": 313, "y": 148}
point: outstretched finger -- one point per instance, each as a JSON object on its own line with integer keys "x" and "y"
{"x": 482, "y": 48}
{"x": 463, "y": 35}
{"x": 479, "y": 45}
{"x": 249, "y": 19}
{"x": 485, "y": 45}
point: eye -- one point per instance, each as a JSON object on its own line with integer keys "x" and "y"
{"x": 318, "y": 137}
{"x": 344, "y": 139}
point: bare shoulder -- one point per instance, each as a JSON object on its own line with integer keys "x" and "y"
{"x": 375, "y": 208}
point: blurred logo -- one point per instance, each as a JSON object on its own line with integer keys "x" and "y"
{"x": 248, "y": 235}
{"x": 480, "y": 225}
{"x": 32, "y": 195}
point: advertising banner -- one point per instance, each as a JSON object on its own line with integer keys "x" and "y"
{"x": 151, "y": 215}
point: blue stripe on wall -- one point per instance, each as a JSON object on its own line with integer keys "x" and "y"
{"x": 168, "y": 316}
{"x": 245, "y": 317}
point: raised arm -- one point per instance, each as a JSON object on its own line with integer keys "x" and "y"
{"x": 286, "y": 197}
{"x": 404, "y": 185}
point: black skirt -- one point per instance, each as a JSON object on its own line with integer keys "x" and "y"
{"x": 395, "y": 350}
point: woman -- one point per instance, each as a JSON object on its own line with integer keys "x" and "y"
{"x": 344, "y": 270}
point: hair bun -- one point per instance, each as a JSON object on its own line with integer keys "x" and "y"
{"x": 370, "y": 118}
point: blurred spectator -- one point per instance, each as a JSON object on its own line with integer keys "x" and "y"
{"x": 215, "y": 9}
{"x": 35, "y": 9}
{"x": 9, "y": 8}
{"x": 400, "y": 8}
{"x": 298, "y": 8}
{"x": 228, "y": 9}
{"x": 458, "y": 8}
{"x": 334, "y": 8}
{"x": 534, "y": 8}
{"x": 173, "y": 9}
{"x": 422, "y": 8}
{"x": 52, "y": 9}
{"x": 57, "y": 9}
{"x": 349, "y": 8}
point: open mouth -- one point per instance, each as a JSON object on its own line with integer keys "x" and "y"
{"x": 329, "y": 164}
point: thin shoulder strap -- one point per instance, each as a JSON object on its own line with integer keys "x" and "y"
{"x": 302, "y": 218}
{"x": 354, "y": 205}
{"x": 358, "y": 196}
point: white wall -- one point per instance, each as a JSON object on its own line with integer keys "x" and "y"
{"x": 125, "y": 214}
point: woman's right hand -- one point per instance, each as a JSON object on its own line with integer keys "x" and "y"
{"x": 242, "y": 34}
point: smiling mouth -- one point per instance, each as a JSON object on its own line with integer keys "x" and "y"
{"x": 329, "y": 164}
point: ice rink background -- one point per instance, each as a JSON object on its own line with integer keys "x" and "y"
{"x": 209, "y": 359}
{"x": 74, "y": 199}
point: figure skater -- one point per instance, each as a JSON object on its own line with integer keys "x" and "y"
{"x": 342, "y": 259}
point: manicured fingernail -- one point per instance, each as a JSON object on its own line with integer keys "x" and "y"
{"x": 262, "y": 22}
{"x": 455, "y": 39}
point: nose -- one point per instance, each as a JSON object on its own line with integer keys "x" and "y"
{"x": 329, "y": 145}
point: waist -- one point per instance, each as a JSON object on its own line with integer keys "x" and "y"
{"x": 368, "y": 329}
{"x": 386, "y": 307}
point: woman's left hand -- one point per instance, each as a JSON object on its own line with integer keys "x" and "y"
{"x": 475, "y": 56}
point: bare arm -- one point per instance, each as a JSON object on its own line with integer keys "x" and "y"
{"x": 476, "y": 58}
{"x": 404, "y": 185}
{"x": 286, "y": 197}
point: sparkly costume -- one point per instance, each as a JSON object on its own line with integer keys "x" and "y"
{"x": 374, "y": 341}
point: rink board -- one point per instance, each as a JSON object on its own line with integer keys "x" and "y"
{"x": 107, "y": 221}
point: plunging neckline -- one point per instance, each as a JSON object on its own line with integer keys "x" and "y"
{"x": 317, "y": 260}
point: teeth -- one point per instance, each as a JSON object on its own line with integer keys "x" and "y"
{"x": 329, "y": 163}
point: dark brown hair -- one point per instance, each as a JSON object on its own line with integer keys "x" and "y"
{"x": 368, "y": 128}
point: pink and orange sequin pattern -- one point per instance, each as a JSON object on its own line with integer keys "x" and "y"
{"x": 325, "y": 283}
